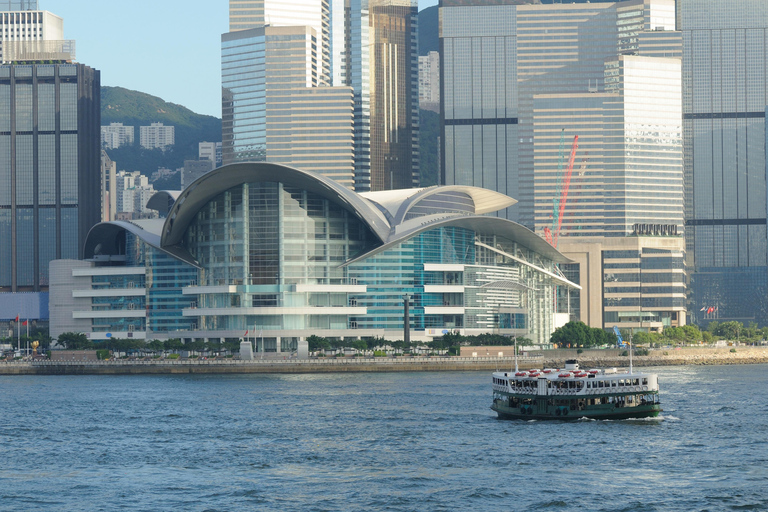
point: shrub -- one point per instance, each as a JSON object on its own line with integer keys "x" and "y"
{"x": 579, "y": 351}
{"x": 733, "y": 350}
{"x": 172, "y": 356}
{"x": 102, "y": 354}
{"x": 379, "y": 353}
{"x": 624, "y": 353}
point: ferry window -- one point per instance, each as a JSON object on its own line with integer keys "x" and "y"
{"x": 645, "y": 382}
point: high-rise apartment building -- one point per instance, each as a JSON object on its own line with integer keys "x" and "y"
{"x": 133, "y": 192}
{"x": 157, "y": 136}
{"x": 116, "y": 135}
{"x": 331, "y": 87}
{"x": 725, "y": 77}
{"x": 49, "y": 168}
{"x": 521, "y": 81}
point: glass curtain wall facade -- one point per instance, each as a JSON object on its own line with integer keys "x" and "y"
{"x": 263, "y": 242}
{"x": 498, "y": 58}
{"x": 266, "y": 248}
{"x": 724, "y": 78}
{"x": 49, "y": 164}
{"x": 366, "y": 45}
{"x": 628, "y": 165}
{"x": 273, "y": 261}
{"x": 273, "y": 107}
{"x": 394, "y": 95}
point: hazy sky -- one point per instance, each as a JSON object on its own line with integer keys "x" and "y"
{"x": 167, "y": 48}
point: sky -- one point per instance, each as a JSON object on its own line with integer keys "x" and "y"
{"x": 166, "y": 48}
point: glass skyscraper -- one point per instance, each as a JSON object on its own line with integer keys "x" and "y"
{"x": 725, "y": 66}
{"x": 49, "y": 168}
{"x": 355, "y": 58}
{"x": 521, "y": 81}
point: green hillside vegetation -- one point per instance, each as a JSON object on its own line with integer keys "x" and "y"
{"x": 429, "y": 131}
{"x": 134, "y": 108}
{"x": 428, "y": 30}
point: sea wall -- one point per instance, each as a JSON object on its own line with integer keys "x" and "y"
{"x": 545, "y": 359}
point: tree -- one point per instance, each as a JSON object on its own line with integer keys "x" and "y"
{"x": 155, "y": 345}
{"x": 74, "y": 341}
{"x": 173, "y": 344}
{"x": 576, "y": 334}
{"x": 359, "y": 345}
{"x": 729, "y": 330}
{"x": 316, "y": 343}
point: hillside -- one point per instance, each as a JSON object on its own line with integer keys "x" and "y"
{"x": 119, "y": 105}
{"x": 428, "y": 30}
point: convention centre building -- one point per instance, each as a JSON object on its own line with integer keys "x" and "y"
{"x": 282, "y": 254}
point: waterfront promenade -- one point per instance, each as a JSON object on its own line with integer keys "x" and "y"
{"x": 544, "y": 359}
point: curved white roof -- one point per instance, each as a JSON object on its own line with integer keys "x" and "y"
{"x": 383, "y": 212}
{"x": 399, "y": 202}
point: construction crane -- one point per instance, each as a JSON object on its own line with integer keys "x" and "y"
{"x": 552, "y": 236}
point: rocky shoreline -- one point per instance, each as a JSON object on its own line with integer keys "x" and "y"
{"x": 668, "y": 357}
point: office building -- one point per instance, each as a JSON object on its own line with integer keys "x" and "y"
{"x": 116, "y": 135}
{"x": 157, "y": 136}
{"x": 281, "y": 113}
{"x": 210, "y": 151}
{"x": 359, "y": 60}
{"x": 193, "y": 169}
{"x": 49, "y": 140}
{"x": 267, "y": 248}
{"x": 522, "y": 81}
{"x": 724, "y": 80}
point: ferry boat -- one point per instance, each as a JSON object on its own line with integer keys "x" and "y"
{"x": 572, "y": 393}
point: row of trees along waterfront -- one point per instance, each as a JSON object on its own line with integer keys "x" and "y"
{"x": 578, "y": 334}
{"x": 449, "y": 343}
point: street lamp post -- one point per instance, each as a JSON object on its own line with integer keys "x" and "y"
{"x": 406, "y": 319}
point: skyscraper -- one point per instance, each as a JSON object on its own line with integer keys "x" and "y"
{"x": 725, "y": 73}
{"x": 49, "y": 156}
{"x": 356, "y": 58}
{"x": 521, "y": 81}
{"x": 50, "y": 165}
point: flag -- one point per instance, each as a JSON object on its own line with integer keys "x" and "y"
{"x": 246, "y": 334}
{"x": 24, "y": 322}
{"x": 711, "y": 310}
{"x": 703, "y": 309}
{"x": 17, "y": 318}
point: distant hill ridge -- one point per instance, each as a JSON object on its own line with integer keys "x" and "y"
{"x": 134, "y": 108}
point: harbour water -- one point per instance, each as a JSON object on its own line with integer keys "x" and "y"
{"x": 372, "y": 441}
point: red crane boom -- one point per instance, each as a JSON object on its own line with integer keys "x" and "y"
{"x": 564, "y": 194}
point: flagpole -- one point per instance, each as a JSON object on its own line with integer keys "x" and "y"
{"x": 18, "y": 333}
